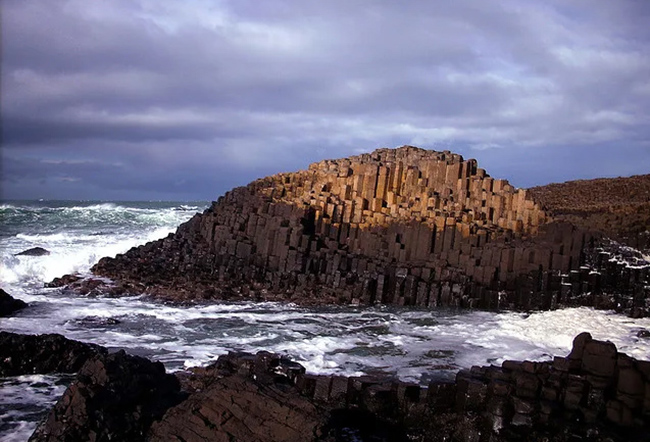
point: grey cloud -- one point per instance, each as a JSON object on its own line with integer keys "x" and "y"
{"x": 256, "y": 87}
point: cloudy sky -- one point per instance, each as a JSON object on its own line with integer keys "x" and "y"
{"x": 149, "y": 99}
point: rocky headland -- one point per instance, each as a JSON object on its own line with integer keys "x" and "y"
{"x": 617, "y": 207}
{"x": 402, "y": 226}
{"x": 594, "y": 394}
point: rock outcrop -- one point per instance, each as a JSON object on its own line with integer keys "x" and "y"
{"x": 9, "y": 305}
{"x": 115, "y": 397}
{"x": 34, "y": 251}
{"x": 232, "y": 408}
{"x": 618, "y": 207}
{"x": 42, "y": 354}
{"x": 595, "y": 394}
{"x": 400, "y": 226}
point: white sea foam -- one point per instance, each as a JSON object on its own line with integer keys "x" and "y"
{"x": 69, "y": 254}
{"x": 76, "y": 236}
{"x": 25, "y": 400}
{"x": 414, "y": 345}
{"x": 407, "y": 343}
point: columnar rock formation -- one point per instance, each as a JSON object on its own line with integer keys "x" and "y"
{"x": 400, "y": 226}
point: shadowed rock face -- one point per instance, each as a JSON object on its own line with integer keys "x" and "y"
{"x": 595, "y": 394}
{"x": 398, "y": 226}
{"x": 235, "y": 409}
{"x": 116, "y": 397}
{"x": 41, "y": 354}
{"x": 9, "y": 305}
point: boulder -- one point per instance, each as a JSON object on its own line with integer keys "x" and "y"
{"x": 63, "y": 281}
{"x": 643, "y": 333}
{"x": 245, "y": 397}
{"x": 97, "y": 321}
{"x": 115, "y": 397}
{"x": 599, "y": 358}
{"x": 41, "y": 354}
{"x": 34, "y": 251}
{"x": 235, "y": 408}
{"x": 9, "y": 305}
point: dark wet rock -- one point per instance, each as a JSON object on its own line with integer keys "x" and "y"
{"x": 63, "y": 281}
{"x": 34, "y": 251}
{"x": 95, "y": 321}
{"x": 245, "y": 397}
{"x": 116, "y": 397}
{"x": 236, "y": 408}
{"x": 41, "y": 354}
{"x": 9, "y": 305}
{"x": 570, "y": 399}
{"x": 88, "y": 286}
{"x": 643, "y": 334}
{"x": 93, "y": 286}
{"x": 595, "y": 394}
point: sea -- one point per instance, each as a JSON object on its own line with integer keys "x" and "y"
{"x": 412, "y": 344}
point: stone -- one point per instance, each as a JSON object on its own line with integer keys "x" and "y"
{"x": 643, "y": 334}
{"x": 115, "y": 397}
{"x": 310, "y": 237}
{"x": 527, "y": 385}
{"x": 470, "y": 393}
{"x": 235, "y": 409}
{"x": 42, "y": 354}
{"x": 267, "y": 397}
{"x": 34, "y": 251}
{"x": 599, "y": 358}
{"x": 9, "y": 305}
{"x": 63, "y": 281}
{"x": 578, "y": 348}
{"x": 97, "y": 321}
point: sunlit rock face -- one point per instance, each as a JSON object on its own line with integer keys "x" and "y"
{"x": 402, "y": 226}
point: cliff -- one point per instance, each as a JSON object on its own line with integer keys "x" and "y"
{"x": 401, "y": 226}
{"x": 619, "y": 207}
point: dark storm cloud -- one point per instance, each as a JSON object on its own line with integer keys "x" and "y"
{"x": 184, "y": 99}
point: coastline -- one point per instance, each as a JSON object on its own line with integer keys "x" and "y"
{"x": 594, "y": 392}
{"x": 402, "y": 333}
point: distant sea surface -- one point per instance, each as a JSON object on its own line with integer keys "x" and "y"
{"x": 413, "y": 344}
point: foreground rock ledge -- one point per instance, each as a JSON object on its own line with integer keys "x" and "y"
{"x": 400, "y": 226}
{"x": 42, "y": 354}
{"x": 9, "y": 305}
{"x": 595, "y": 394}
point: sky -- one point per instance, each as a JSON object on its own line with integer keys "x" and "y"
{"x": 171, "y": 100}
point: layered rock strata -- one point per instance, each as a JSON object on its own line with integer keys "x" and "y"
{"x": 400, "y": 226}
{"x": 595, "y": 393}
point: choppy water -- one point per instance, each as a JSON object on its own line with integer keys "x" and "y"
{"x": 412, "y": 344}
